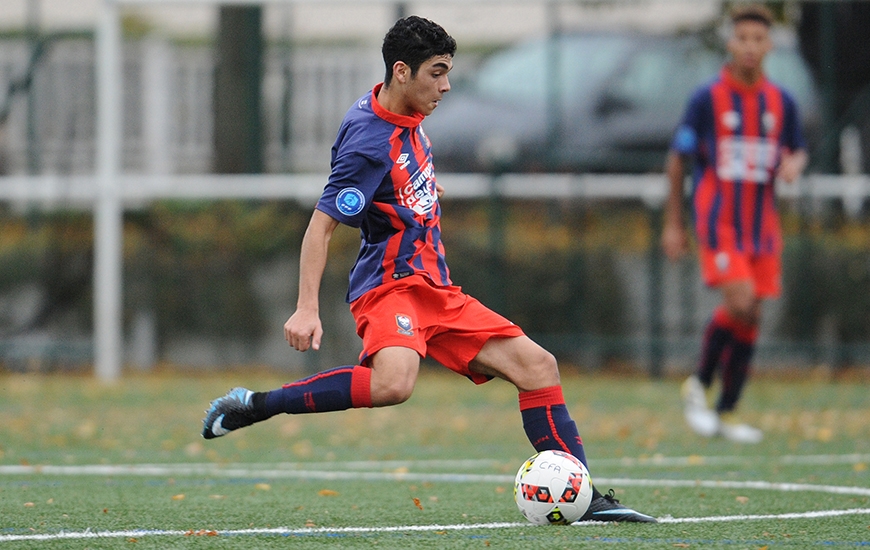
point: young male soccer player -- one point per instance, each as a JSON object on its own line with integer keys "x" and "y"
{"x": 400, "y": 292}
{"x": 743, "y": 133}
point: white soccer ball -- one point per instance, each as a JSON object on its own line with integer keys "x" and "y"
{"x": 553, "y": 487}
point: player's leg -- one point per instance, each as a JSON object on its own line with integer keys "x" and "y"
{"x": 389, "y": 381}
{"x": 730, "y": 272}
{"x": 546, "y": 419}
{"x": 743, "y": 310}
{"x": 534, "y": 372}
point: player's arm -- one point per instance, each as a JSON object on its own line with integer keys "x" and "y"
{"x": 303, "y": 329}
{"x": 674, "y": 239}
{"x": 794, "y": 158}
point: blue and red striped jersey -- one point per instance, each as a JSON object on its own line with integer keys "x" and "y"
{"x": 383, "y": 182}
{"x": 736, "y": 134}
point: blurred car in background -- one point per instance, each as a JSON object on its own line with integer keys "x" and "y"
{"x": 589, "y": 102}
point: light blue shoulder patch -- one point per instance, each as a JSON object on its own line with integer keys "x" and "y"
{"x": 685, "y": 140}
{"x": 350, "y": 201}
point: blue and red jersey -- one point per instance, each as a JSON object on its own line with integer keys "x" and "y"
{"x": 736, "y": 134}
{"x": 383, "y": 182}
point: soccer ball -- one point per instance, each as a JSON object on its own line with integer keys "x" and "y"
{"x": 553, "y": 487}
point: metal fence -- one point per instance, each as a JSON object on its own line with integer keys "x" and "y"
{"x": 167, "y": 104}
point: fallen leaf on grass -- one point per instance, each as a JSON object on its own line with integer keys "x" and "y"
{"x": 29, "y": 505}
{"x": 742, "y": 500}
{"x": 262, "y": 486}
{"x": 417, "y": 503}
{"x": 200, "y": 533}
{"x": 327, "y": 493}
{"x": 681, "y": 545}
{"x": 310, "y": 523}
{"x": 177, "y": 497}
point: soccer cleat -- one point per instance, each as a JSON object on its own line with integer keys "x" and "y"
{"x": 607, "y": 508}
{"x": 230, "y": 412}
{"x": 699, "y": 417}
{"x": 737, "y": 432}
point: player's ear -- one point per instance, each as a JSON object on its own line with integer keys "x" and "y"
{"x": 401, "y": 72}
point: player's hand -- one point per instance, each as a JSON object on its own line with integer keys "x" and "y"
{"x": 675, "y": 242}
{"x": 439, "y": 189}
{"x": 791, "y": 165}
{"x": 303, "y": 330}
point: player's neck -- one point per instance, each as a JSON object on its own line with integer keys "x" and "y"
{"x": 393, "y": 101}
{"x": 746, "y": 76}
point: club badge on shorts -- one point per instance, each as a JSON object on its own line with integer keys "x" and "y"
{"x": 404, "y": 324}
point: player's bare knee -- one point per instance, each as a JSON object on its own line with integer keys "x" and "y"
{"x": 391, "y": 394}
{"x": 540, "y": 371}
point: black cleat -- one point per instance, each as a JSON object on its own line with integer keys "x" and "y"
{"x": 607, "y": 508}
{"x": 230, "y": 412}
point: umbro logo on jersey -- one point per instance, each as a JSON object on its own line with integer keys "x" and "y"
{"x": 403, "y": 161}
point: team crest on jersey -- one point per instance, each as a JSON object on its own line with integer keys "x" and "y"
{"x": 404, "y": 324}
{"x": 731, "y": 119}
{"x": 350, "y": 201}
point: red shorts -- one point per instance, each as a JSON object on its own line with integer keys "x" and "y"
{"x": 719, "y": 267}
{"x": 443, "y": 323}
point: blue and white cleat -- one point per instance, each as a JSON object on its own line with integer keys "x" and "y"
{"x": 228, "y": 413}
{"x": 607, "y": 508}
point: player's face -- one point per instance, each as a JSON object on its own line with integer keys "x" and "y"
{"x": 749, "y": 43}
{"x": 426, "y": 89}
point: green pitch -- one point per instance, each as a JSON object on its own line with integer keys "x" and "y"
{"x": 83, "y": 465}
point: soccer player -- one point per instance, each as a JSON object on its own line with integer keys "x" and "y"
{"x": 400, "y": 293}
{"x": 742, "y": 132}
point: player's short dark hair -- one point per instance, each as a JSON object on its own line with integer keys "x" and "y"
{"x": 752, "y": 12}
{"x": 413, "y": 40}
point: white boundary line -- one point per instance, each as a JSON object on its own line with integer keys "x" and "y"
{"x": 283, "y": 531}
{"x": 238, "y": 471}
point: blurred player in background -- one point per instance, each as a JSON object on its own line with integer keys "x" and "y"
{"x": 742, "y": 132}
{"x": 400, "y": 292}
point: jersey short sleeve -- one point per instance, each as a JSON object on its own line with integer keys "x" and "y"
{"x": 686, "y": 138}
{"x": 352, "y": 184}
{"x": 792, "y": 136}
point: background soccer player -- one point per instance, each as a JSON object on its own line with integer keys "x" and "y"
{"x": 742, "y": 132}
{"x": 400, "y": 292}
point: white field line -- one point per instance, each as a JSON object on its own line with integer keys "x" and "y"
{"x": 700, "y": 460}
{"x": 252, "y": 471}
{"x": 284, "y": 531}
